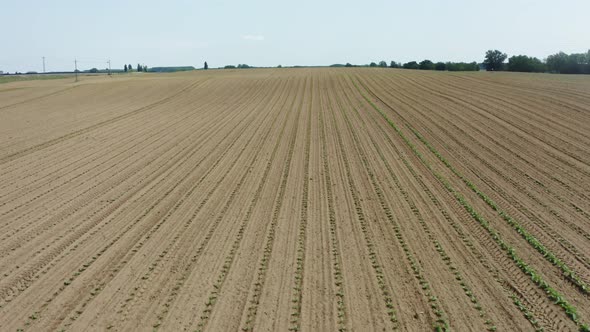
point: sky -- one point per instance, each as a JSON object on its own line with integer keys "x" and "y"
{"x": 273, "y": 32}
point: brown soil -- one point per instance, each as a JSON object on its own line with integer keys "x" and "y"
{"x": 301, "y": 199}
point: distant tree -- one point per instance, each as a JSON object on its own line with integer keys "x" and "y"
{"x": 139, "y": 67}
{"x": 279, "y": 66}
{"x": 382, "y": 64}
{"x": 243, "y": 66}
{"x": 575, "y": 63}
{"x": 411, "y": 65}
{"x": 145, "y": 68}
{"x": 440, "y": 66}
{"x": 348, "y": 64}
{"x": 557, "y": 62}
{"x": 462, "y": 66}
{"x": 394, "y": 64}
{"x": 494, "y": 60}
{"x": 125, "y": 68}
{"x": 524, "y": 63}
{"x": 373, "y": 64}
{"x": 229, "y": 67}
{"x": 129, "y": 67}
{"x": 93, "y": 70}
{"x": 205, "y": 66}
{"x": 426, "y": 65}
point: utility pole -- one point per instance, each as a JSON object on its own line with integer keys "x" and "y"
{"x": 76, "y": 69}
{"x": 109, "y": 62}
{"x": 43, "y": 65}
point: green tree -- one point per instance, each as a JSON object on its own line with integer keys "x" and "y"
{"x": 426, "y": 65}
{"x": 93, "y": 70}
{"x": 575, "y": 63}
{"x": 348, "y": 64}
{"x": 524, "y": 63}
{"x": 129, "y": 67}
{"x": 373, "y": 64}
{"x": 382, "y": 64}
{"x": 557, "y": 62}
{"x": 206, "y": 66}
{"x": 494, "y": 60}
{"x": 125, "y": 68}
{"x": 440, "y": 66}
{"x": 394, "y": 64}
{"x": 462, "y": 66}
{"x": 411, "y": 65}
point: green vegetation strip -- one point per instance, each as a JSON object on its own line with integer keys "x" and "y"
{"x": 553, "y": 294}
{"x": 536, "y": 244}
{"x": 547, "y": 254}
{"x": 441, "y": 323}
{"x": 18, "y": 78}
{"x": 527, "y": 314}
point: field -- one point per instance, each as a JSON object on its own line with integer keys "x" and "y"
{"x": 296, "y": 199}
{"x": 16, "y": 78}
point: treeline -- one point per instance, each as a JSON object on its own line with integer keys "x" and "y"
{"x": 139, "y": 68}
{"x": 561, "y": 63}
{"x": 575, "y": 63}
{"x": 442, "y": 66}
{"x": 171, "y": 69}
{"x": 240, "y": 66}
{"x": 422, "y": 65}
{"x": 495, "y": 60}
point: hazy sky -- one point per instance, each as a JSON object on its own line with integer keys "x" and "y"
{"x": 269, "y": 33}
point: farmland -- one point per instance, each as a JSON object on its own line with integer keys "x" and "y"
{"x": 296, "y": 199}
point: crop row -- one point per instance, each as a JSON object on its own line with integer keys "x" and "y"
{"x": 168, "y": 250}
{"x": 458, "y": 229}
{"x": 521, "y": 229}
{"x": 179, "y": 159}
{"x": 546, "y": 253}
{"x": 230, "y": 257}
{"x": 553, "y": 294}
{"x": 337, "y": 275}
{"x": 188, "y": 268}
{"x": 261, "y": 273}
{"x": 441, "y": 323}
{"x": 302, "y": 236}
{"x": 374, "y": 259}
{"x": 507, "y": 144}
{"x": 445, "y": 258}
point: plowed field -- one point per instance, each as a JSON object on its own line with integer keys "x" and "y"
{"x": 296, "y": 199}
